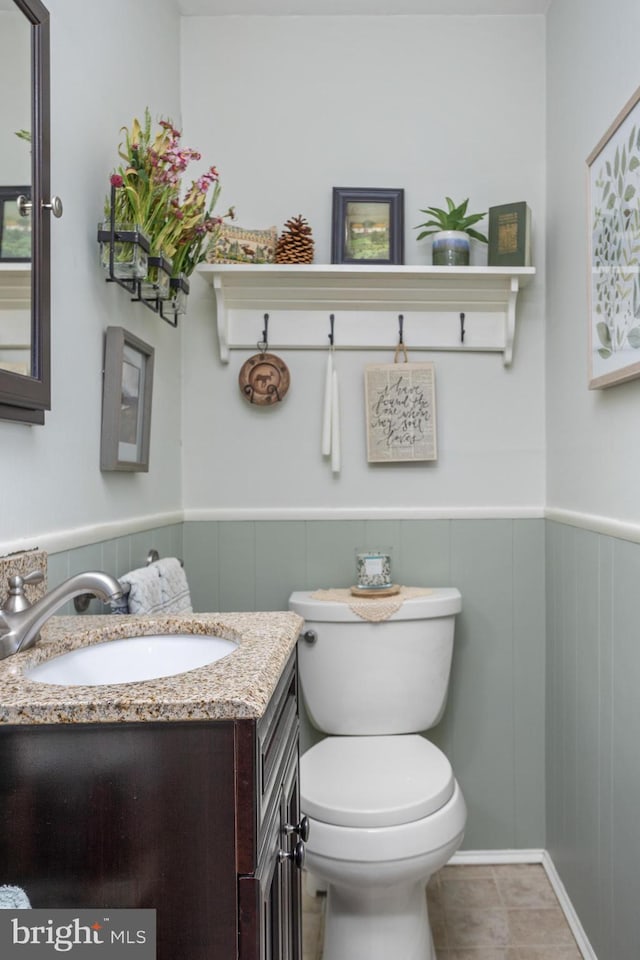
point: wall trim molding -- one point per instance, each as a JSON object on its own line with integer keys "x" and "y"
{"x": 534, "y": 856}
{"x": 73, "y": 537}
{"x": 195, "y": 514}
{"x": 610, "y": 527}
{"x": 59, "y": 540}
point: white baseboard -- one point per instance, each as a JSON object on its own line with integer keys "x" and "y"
{"x": 497, "y": 856}
{"x": 577, "y": 929}
{"x": 534, "y": 856}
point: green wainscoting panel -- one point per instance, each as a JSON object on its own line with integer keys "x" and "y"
{"x": 202, "y": 551}
{"x": 529, "y": 625}
{"x": 482, "y": 696}
{"x": 280, "y": 562}
{"x": 236, "y": 565}
{"x": 332, "y": 546}
{"x": 626, "y": 750}
{"x": 493, "y": 726}
{"x": 593, "y": 727}
{"x": 424, "y": 553}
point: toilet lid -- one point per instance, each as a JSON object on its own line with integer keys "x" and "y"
{"x": 374, "y": 781}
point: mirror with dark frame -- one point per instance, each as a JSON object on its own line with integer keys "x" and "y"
{"x": 25, "y": 273}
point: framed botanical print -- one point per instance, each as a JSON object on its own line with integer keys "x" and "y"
{"x": 613, "y": 169}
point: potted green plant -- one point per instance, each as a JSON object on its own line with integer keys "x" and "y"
{"x": 451, "y": 230}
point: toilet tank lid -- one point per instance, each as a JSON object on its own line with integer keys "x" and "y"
{"x": 439, "y": 602}
{"x": 374, "y": 781}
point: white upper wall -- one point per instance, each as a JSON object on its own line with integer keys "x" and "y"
{"x": 593, "y": 453}
{"x": 289, "y": 107}
{"x": 108, "y": 61}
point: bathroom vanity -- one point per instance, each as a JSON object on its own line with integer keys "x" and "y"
{"x": 179, "y": 794}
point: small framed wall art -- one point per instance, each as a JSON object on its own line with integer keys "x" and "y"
{"x": 367, "y": 225}
{"x": 15, "y": 229}
{"x": 400, "y": 402}
{"x": 613, "y": 169}
{"x": 126, "y": 402}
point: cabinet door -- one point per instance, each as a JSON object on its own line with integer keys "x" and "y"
{"x": 260, "y": 901}
{"x": 270, "y": 900}
{"x": 292, "y": 860}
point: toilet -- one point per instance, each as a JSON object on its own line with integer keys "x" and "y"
{"x": 385, "y": 811}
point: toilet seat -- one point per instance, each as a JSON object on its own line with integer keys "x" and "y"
{"x": 372, "y": 782}
{"x": 405, "y": 841}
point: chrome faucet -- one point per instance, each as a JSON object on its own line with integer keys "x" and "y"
{"x": 19, "y": 628}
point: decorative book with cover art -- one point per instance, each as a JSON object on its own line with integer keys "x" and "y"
{"x": 510, "y": 235}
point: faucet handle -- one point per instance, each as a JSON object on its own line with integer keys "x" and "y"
{"x": 16, "y": 600}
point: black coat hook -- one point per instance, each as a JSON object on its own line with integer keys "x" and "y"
{"x": 264, "y": 343}
{"x": 400, "y": 349}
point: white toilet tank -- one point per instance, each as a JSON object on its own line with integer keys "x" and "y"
{"x": 360, "y": 678}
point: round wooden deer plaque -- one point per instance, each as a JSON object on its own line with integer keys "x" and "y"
{"x": 264, "y": 379}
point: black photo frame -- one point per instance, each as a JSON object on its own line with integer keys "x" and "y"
{"x": 15, "y": 229}
{"x": 367, "y": 226}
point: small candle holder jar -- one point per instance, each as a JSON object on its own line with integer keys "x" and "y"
{"x": 373, "y": 569}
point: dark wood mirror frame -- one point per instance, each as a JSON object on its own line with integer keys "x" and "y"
{"x": 25, "y": 398}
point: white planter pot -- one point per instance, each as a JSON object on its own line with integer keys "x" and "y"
{"x": 450, "y": 248}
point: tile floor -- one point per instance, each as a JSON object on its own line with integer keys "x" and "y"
{"x": 505, "y": 912}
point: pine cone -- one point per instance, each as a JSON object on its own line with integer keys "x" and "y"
{"x": 295, "y": 243}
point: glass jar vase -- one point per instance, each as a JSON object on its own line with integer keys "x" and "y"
{"x": 124, "y": 250}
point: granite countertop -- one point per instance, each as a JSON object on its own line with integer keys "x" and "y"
{"x": 237, "y": 686}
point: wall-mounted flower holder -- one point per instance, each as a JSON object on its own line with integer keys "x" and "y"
{"x": 125, "y": 257}
{"x": 176, "y": 304}
{"x": 156, "y": 284}
{"x": 124, "y": 251}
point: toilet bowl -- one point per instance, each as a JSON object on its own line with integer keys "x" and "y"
{"x": 384, "y": 813}
{"x": 384, "y": 808}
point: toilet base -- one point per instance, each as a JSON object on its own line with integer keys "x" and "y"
{"x": 380, "y": 924}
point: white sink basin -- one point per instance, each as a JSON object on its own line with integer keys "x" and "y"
{"x": 131, "y": 660}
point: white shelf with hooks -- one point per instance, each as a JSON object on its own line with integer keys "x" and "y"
{"x": 366, "y": 301}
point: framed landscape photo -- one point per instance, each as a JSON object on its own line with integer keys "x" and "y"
{"x": 613, "y": 169}
{"x": 367, "y": 226}
{"x": 15, "y": 230}
{"x": 126, "y": 402}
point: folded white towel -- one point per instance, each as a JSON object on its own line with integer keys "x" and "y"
{"x": 158, "y": 588}
{"x": 145, "y": 593}
{"x": 13, "y": 898}
{"x": 174, "y": 588}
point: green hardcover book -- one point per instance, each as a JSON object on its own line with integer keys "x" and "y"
{"x": 509, "y": 235}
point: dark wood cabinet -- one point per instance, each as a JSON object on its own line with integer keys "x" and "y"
{"x": 199, "y": 820}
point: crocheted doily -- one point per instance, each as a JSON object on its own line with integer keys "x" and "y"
{"x": 371, "y": 608}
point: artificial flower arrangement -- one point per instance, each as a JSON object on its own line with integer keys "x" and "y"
{"x": 148, "y": 192}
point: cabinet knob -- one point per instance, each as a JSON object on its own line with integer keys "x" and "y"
{"x": 301, "y": 829}
{"x": 296, "y": 855}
